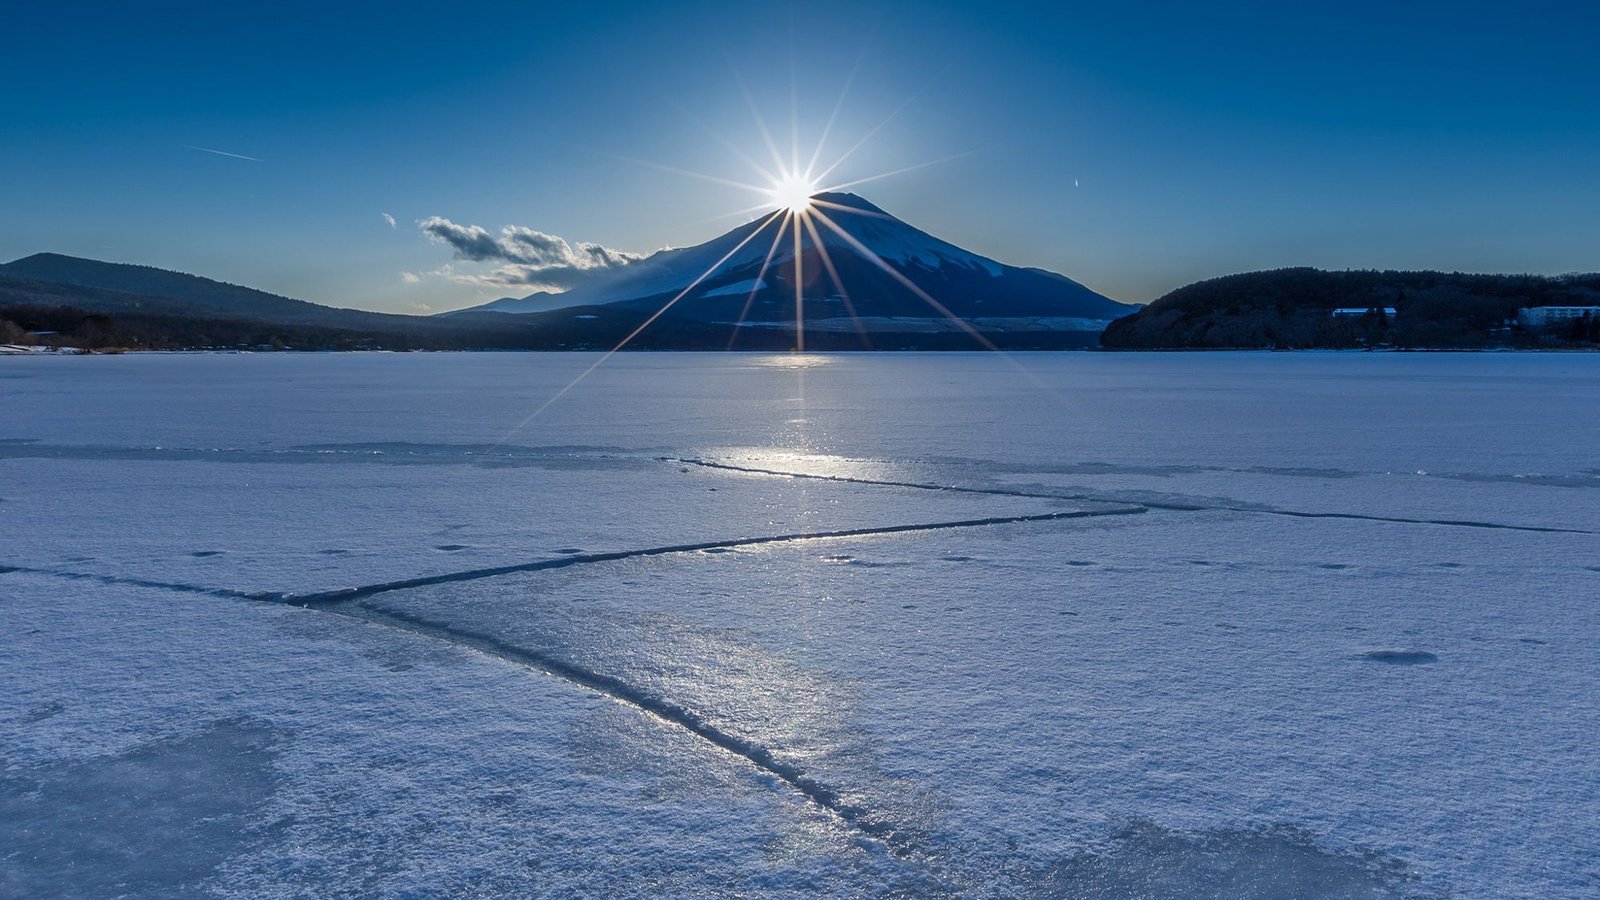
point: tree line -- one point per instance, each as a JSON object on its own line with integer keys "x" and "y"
{"x": 1292, "y": 309}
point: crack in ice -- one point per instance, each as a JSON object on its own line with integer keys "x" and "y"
{"x": 178, "y": 587}
{"x": 1146, "y": 504}
{"x": 345, "y": 595}
{"x": 858, "y": 817}
{"x": 348, "y": 603}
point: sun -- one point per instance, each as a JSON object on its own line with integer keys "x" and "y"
{"x": 793, "y": 193}
{"x": 797, "y": 197}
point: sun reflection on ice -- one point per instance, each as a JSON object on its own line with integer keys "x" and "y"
{"x": 795, "y": 461}
{"x": 792, "y": 361}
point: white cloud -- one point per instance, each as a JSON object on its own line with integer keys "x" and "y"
{"x": 531, "y": 258}
{"x": 390, "y": 219}
{"x": 410, "y": 277}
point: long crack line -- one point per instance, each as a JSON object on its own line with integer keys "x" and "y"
{"x": 828, "y": 799}
{"x": 345, "y": 595}
{"x": 350, "y": 603}
{"x": 1094, "y": 498}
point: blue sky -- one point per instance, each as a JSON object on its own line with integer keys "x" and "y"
{"x": 1135, "y": 147}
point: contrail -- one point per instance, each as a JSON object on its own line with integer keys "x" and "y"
{"x": 222, "y": 153}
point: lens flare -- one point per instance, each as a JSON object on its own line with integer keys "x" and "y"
{"x": 793, "y": 203}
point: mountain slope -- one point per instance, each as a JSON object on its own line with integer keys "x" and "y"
{"x": 91, "y": 303}
{"x": 897, "y": 288}
{"x": 988, "y": 294}
{"x": 93, "y": 318}
{"x": 540, "y": 301}
{"x": 179, "y": 292}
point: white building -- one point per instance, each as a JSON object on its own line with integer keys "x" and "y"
{"x": 1536, "y": 318}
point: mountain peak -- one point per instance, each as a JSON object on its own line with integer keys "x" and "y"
{"x": 845, "y": 198}
{"x": 854, "y": 266}
{"x": 40, "y": 257}
{"x": 152, "y": 281}
{"x": 61, "y": 267}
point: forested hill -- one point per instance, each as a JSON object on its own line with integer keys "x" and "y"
{"x": 1292, "y": 308}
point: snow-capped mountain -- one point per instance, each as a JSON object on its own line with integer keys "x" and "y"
{"x": 985, "y": 294}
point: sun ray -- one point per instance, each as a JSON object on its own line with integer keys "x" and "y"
{"x": 689, "y": 172}
{"x": 794, "y": 110}
{"x": 636, "y": 331}
{"x": 833, "y": 273}
{"x": 864, "y": 139}
{"x": 761, "y": 123}
{"x": 838, "y": 105}
{"x": 799, "y": 295}
{"x": 690, "y": 115}
{"x": 747, "y": 211}
{"x": 851, "y": 209}
{"x": 868, "y": 136}
{"x": 739, "y": 154}
{"x": 743, "y": 157}
{"x": 923, "y": 165}
{"x": 867, "y": 253}
{"x": 760, "y": 277}
{"x": 880, "y": 126}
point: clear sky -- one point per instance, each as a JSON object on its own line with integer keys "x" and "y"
{"x": 1133, "y": 146}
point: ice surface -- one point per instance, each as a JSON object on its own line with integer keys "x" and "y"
{"x": 162, "y": 816}
{"x": 1246, "y": 625}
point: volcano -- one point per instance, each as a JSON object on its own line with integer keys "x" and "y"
{"x": 868, "y": 275}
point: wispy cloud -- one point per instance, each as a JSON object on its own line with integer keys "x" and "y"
{"x": 223, "y": 153}
{"x": 410, "y": 277}
{"x": 388, "y": 218}
{"x": 530, "y": 258}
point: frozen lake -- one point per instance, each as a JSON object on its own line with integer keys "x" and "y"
{"x": 1079, "y": 625}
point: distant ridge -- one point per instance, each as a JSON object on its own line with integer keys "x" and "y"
{"x": 1293, "y": 309}
{"x": 539, "y": 301}
{"x": 94, "y": 304}
{"x": 196, "y": 294}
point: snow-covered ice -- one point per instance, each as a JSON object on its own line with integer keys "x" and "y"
{"x": 1081, "y": 625}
